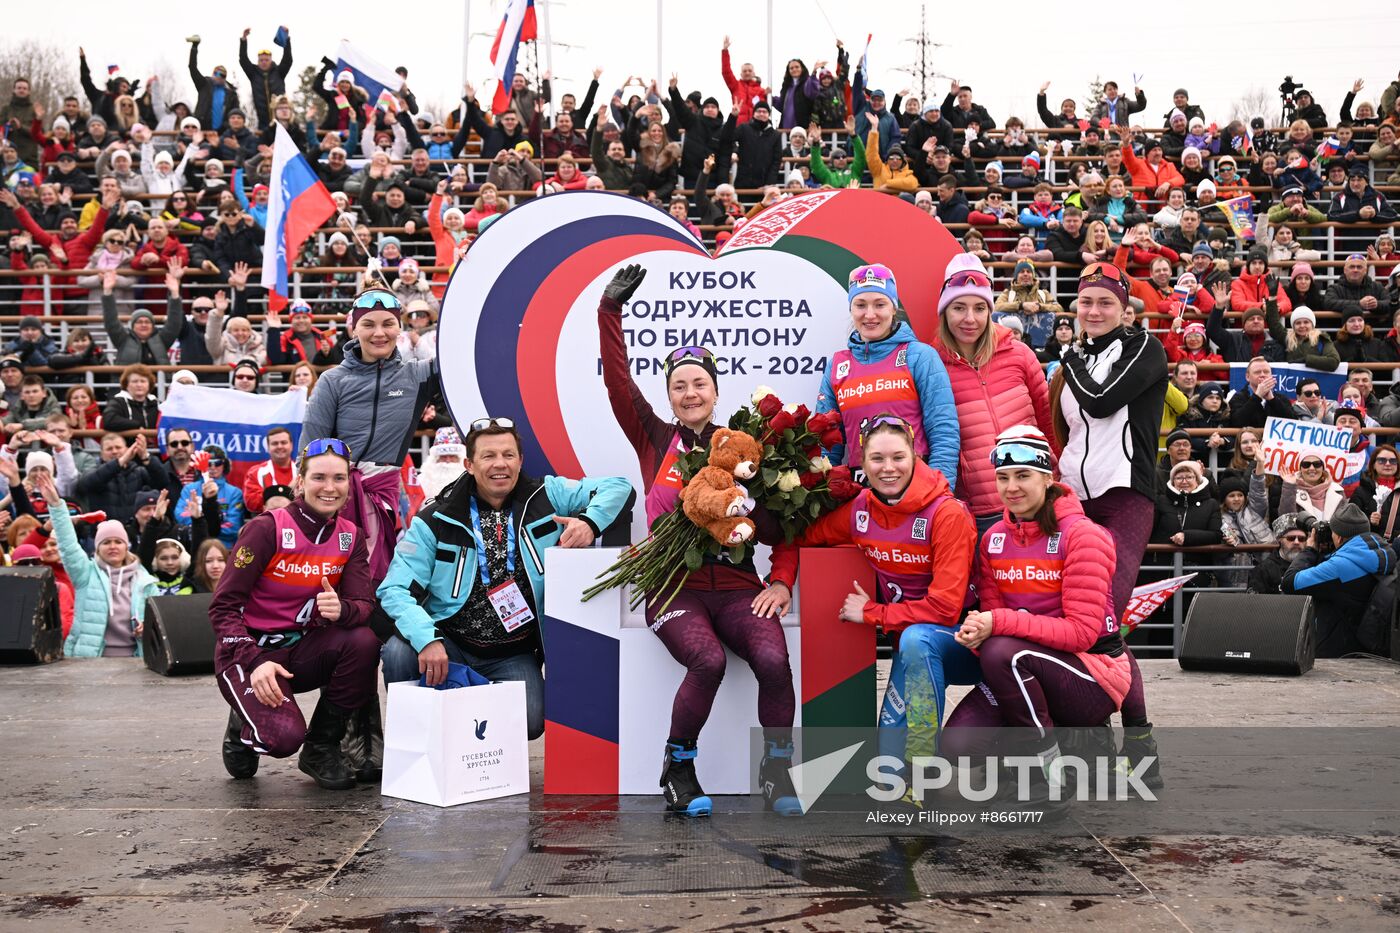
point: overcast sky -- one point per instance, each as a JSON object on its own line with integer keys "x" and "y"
{"x": 1004, "y": 55}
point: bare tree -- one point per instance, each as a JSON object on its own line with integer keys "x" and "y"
{"x": 51, "y": 69}
{"x": 1253, "y": 103}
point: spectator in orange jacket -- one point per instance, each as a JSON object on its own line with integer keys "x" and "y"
{"x": 278, "y": 470}
{"x": 1152, "y": 174}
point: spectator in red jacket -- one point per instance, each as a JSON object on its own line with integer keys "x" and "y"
{"x": 1144, "y": 251}
{"x": 1255, "y": 284}
{"x": 745, "y": 89}
{"x": 155, "y": 254}
{"x": 69, "y": 248}
{"x": 278, "y": 470}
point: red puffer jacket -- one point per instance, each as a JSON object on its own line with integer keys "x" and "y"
{"x": 1008, "y": 391}
{"x": 1249, "y": 291}
{"x": 1085, "y": 589}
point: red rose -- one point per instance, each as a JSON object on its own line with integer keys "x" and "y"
{"x": 781, "y": 421}
{"x": 769, "y": 405}
{"x": 812, "y": 479}
{"x": 802, "y": 414}
{"x": 812, "y": 451}
{"x": 821, "y": 422}
{"x": 839, "y": 482}
{"x": 831, "y": 437}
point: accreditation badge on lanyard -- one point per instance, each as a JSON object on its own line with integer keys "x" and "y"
{"x": 506, "y": 599}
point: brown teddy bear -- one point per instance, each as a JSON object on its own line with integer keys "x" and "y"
{"x": 712, "y": 500}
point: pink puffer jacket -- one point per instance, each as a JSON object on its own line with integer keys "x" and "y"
{"x": 1009, "y": 390}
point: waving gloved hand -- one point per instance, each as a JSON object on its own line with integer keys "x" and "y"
{"x": 624, "y": 283}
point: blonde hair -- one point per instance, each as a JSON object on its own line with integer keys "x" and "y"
{"x": 982, "y": 350}
{"x": 1093, "y": 241}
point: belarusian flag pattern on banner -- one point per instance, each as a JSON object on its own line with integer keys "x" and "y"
{"x": 1150, "y": 597}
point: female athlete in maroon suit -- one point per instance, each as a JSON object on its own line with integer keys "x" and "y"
{"x": 289, "y": 616}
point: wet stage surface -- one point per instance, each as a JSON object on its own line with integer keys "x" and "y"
{"x": 117, "y": 814}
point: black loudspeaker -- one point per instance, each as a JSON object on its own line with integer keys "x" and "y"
{"x": 178, "y": 639}
{"x": 1248, "y": 633}
{"x": 31, "y": 631}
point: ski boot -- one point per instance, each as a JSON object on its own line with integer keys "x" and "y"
{"x": 1139, "y": 744}
{"x": 681, "y": 786}
{"x": 240, "y": 761}
{"x": 774, "y": 779}
{"x": 321, "y": 756}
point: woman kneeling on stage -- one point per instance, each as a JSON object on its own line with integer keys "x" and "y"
{"x": 1046, "y": 635}
{"x": 289, "y": 616}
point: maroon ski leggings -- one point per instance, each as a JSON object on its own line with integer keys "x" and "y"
{"x": 343, "y": 662}
{"x": 1127, "y": 515}
{"x": 696, "y": 627}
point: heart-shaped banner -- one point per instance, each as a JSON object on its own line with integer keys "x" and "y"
{"x": 518, "y": 335}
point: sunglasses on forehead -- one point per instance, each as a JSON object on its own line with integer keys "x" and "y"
{"x": 1101, "y": 270}
{"x": 327, "y": 445}
{"x": 377, "y": 299}
{"x": 868, "y": 425}
{"x": 481, "y": 424}
{"x": 961, "y": 279}
{"x": 871, "y": 274}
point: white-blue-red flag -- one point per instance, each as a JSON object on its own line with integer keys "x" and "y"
{"x": 517, "y": 26}
{"x": 368, "y": 74}
{"x": 297, "y": 204}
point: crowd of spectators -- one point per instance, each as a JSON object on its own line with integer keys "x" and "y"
{"x": 147, "y": 213}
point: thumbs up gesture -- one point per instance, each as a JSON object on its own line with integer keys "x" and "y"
{"x": 328, "y": 602}
{"x": 853, "y": 610}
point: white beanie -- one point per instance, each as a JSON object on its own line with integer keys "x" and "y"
{"x": 1205, "y": 185}
{"x": 1190, "y": 150}
{"x": 183, "y": 374}
{"x": 1300, "y": 313}
{"x": 62, "y": 121}
{"x": 38, "y": 458}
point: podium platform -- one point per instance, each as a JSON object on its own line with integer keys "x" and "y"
{"x": 610, "y": 682}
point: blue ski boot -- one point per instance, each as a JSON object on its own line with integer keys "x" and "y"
{"x": 775, "y": 781}
{"x": 681, "y": 786}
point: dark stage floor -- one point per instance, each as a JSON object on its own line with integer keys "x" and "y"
{"x": 118, "y": 815}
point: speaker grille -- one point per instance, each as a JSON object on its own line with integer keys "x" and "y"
{"x": 1249, "y": 632}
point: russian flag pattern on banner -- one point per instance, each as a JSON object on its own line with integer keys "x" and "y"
{"x": 297, "y": 204}
{"x": 517, "y": 26}
{"x": 373, "y": 77}
{"x": 236, "y": 421}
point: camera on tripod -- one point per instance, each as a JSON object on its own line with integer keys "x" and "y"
{"x": 1286, "y": 90}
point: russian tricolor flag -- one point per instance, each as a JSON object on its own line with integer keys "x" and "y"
{"x": 517, "y": 26}
{"x": 297, "y": 204}
{"x": 369, "y": 74}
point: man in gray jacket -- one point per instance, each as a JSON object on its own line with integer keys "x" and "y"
{"x": 138, "y": 341}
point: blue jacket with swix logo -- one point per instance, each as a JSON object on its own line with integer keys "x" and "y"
{"x": 435, "y": 565}
{"x": 372, "y": 407}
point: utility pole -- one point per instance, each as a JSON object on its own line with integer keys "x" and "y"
{"x": 922, "y": 70}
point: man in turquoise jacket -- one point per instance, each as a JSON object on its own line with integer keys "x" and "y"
{"x": 466, "y": 584}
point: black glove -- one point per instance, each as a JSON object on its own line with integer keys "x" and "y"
{"x": 624, "y": 283}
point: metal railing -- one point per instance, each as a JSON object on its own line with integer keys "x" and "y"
{"x": 1186, "y": 560}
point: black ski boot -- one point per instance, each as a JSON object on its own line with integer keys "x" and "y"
{"x": 363, "y": 745}
{"x": 240, "y": 761}
{"x": 681, "y": 786}
{"x": 774, "y": 779}
{"x": 1138, "y": 745}
{"x": 320, "y": 752}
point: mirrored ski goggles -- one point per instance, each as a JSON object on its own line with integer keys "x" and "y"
{"x": 1021, "y": 455}
{"x": 689, "y": 353}
{"x": 327, "y": 445}
{"x": 872, "y": 274}
{"x": 962, "y": 279}
{"x": 371, "y": 301}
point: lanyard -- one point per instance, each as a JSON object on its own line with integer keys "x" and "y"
{"x": 481, "y": 546}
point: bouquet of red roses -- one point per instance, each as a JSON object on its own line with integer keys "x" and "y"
{"x": 795, "y": 483}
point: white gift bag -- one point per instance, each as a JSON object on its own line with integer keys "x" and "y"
{"x": 446, "y": 747}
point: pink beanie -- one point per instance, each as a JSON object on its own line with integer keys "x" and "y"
{"x": 972, "y": 280}
{"x": 111, "y": 528}
{"x": 1300, "y": 268}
